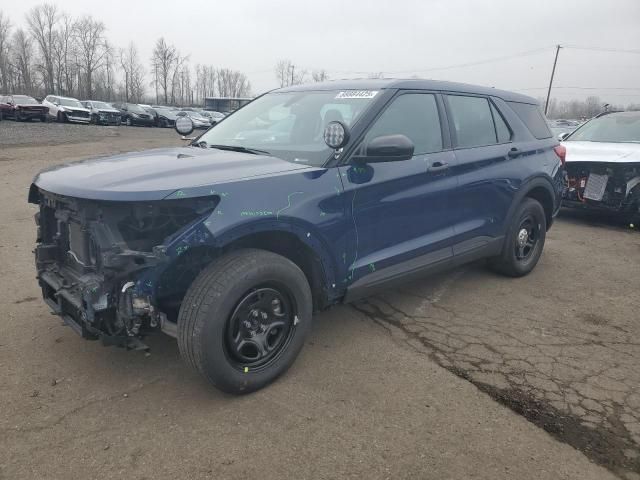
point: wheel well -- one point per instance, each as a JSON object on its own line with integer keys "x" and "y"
{"x": 291, "y": 247}
{"x": 545, "y": 199}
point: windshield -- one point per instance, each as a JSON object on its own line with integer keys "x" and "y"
{"x": 290, "y": 125}
{"x": 615, "y": 128}
{"x": 24, "y": 100}
{"x": 70, "y": 102}
{"x": 101, "y": 105}
{"x": 135, "y": 108}
{"x": 165, "y": 112}
{"x": 195, "y": 115}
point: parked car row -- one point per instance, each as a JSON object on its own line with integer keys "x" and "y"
{"x": 67, "y": 109}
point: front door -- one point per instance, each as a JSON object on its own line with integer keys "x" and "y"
{"x": 401, "y": 209}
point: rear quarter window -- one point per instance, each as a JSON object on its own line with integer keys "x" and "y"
{"x": 532, "y": 117}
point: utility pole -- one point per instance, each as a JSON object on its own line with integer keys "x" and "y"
{"x": 553, "y": 72}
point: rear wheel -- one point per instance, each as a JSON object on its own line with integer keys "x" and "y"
{"x": 524, "y": 240}
{"x": 244, "y": 320}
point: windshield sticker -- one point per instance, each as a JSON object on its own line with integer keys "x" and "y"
{"x": 357, "y": 94}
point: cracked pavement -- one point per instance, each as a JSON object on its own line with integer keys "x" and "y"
{"x": 462, "y": 375}
{"x": 561, "y": 346}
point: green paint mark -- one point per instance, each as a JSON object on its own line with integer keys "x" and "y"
{"x": 181, "y": 249}
{"x": 288, "y": 203}
{"x": 323, "y": 214}
{"x": 149, "y": 284}
{"x": 372, "y": 267}
{"x": 180, "y": 194}
{"x": 344, "y": 257}
{"x": 337, "y": 190}
{"x": 214, "y": 192}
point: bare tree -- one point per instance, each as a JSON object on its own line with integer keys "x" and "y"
{"x": 89, "y": 34}
{"x": 22, "y": 58}
{"x": 64, "y": 51}
{"x": 319, "y": 75}
{"x": 163, "y": 61}
{"x": 288, "y": 74}
{"x": 232, "y": 83}
{"x": 42, "y": 20}
{"x": 5, "y": 32}
{"x": 133, "y": 73}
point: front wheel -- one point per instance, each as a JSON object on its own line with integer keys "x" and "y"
{"x": 244, "y": 319}
{"x": 524, "y": 240}
{"x": 128, "y": 122}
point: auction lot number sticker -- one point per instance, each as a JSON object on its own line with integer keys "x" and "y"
{"x": 357, "y": 94}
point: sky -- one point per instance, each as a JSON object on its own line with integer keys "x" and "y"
{"x": 508, "y": 44}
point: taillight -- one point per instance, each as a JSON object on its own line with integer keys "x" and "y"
{"x": 561, "y": 152}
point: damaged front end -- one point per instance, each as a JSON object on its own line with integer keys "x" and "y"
{"x": 605, "y": 186}
{"x": 111, "y": 269}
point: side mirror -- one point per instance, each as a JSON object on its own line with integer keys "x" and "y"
{"x": 562, "y": 136}
{"x": 387, "y": 148}
{"x": 184, "y": 125}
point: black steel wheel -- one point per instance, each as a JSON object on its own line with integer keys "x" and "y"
{"x": 259, "y": 327}
{"x": 524, "y": 240}
{"x": 244, "y": 319}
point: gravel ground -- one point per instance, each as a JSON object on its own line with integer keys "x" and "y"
{"x": 462, "y": 375}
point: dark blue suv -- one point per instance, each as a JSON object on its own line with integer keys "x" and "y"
{"x": 306, "y": 197}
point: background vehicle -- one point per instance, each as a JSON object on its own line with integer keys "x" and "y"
{"x": 151, "y": 111}
{"x": 133, "y": 114}
{"x": 22, "y": 108}
{"x": 559, "y": 127}
{"x": 166, "y": 116}
{"x": 102, "y": 113}
{"x": 198, "y": 120}
{"x": 231, "y": 243}
{"x": 66, "y": 109}
{"x": 213, "y": 117}
{"x": 603, "y": 164}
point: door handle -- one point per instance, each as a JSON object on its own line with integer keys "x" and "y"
{"x": 514, "y": 152}
{"x": 438, "y": 167}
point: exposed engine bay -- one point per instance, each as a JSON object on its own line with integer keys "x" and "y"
{"x": 103, "y": 266}
{"x": 603, "y": 185}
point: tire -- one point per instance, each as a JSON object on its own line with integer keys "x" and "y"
{"x": 128, "y": 122}
{"x": 62, "y": 117}
{"x": 211, "y": 323}
{"x": 162, "y": 123}
{"x": 517, "y": 259}
{"x": 43, "y": 118}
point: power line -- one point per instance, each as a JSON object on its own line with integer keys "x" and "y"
{"x": 602, "y": 49}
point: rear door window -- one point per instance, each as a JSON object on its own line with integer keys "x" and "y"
{"x": 532, "y": 117}
{"x": 414, "y": 115}
{"x": 502, "y": 129}
{"x": 472, "y": 121}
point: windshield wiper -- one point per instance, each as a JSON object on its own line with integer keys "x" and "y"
{"x": 238, "y": 148}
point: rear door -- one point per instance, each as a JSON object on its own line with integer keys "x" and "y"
{"x": 401, "y": 210}
{"x": 482, "y": 144}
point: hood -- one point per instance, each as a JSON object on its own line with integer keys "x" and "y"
{"x": 74, "y": 109}
{"x": 107, "y": 110}
{"x": 155, "y": 174}
{"x": 602, "y": 152}
{"x": 29, "y": 105}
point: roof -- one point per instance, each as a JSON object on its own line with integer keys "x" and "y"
{"x": 417, "y": 84}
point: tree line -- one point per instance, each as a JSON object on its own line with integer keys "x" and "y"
{"x": 587, "y": 108}
{"x": 54, "y": 53}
